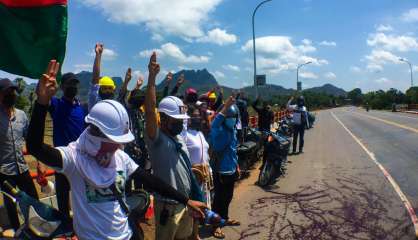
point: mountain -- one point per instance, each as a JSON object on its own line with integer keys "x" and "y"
{"x": 201, "y": 80}
{"x": 328, "y": 89}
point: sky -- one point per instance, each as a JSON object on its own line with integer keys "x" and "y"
{"x": 351, "y": 44}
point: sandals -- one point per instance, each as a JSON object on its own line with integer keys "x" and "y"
{"x": 217, "y": 233}
{"x": 233, "y": 223}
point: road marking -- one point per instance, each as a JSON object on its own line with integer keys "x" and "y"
{"x": 396, "y": 187}
{"x": 388, "y": 122}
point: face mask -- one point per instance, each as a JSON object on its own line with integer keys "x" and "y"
{"x": 101, "y": 149}
{"x": 195, "y": 123}
{"x": 176, "y": 128}
{"x": 106, "y": 95}
{"x": 230, "y": 123}
{"x": 9, "y": 100}
{"x": 70, "y": 92}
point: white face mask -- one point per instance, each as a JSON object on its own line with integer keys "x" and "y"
{"x": 101, "y": 149}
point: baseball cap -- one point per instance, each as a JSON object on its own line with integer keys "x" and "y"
{"x": 6, "y": 83}
{"x": 70, "y": 78}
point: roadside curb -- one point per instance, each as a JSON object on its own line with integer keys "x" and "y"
{"x": 411, "y": 112}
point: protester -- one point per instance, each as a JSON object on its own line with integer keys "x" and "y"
{"x": 170, "y": 160}
{"x": 300, "y": 121}
{"x": 68, "y": 123}
{"x": 95, "y": 165}
{"x": 13, "y": 129}
{"x": 101, "y": 88}
{"x": 198, "y": 148}
{"x": 134, "y": 106}
{"x": 242, "y": 104}
{"x": 223, "y": 138}
{"x": 190, "y": 96}
{"x": 265, "y": 115}
{"x": 213, "y": 98}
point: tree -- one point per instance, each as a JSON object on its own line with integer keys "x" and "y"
{"x": 356, "y": 96}
{"x": 412, "y": 95}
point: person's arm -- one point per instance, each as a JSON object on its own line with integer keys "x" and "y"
{"x": 289, "y": 106}
{"x": 47, "y": 87}
{"x": 256, "y": 108}
{"x": 219, "y": 141}
{"x": 97, "y": 61}
{"x": 124, "y": 88}
{"x": 219, "y": 99}
{"x": 179, "y": 82}
{"x": 151, "y": 99}
{"x": 168, "y": 78}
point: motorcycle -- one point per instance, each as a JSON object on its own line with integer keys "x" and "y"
{"x": 40, "y": 221}
{"x": 276, "y": 149}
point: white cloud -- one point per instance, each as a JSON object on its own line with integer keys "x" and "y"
{"x": 231, "y": 67}
{"x": 171, "y": 50}
{"x": 277, "y": 53}
{"x": 330, "y": 75}
{"x": 411, "y": 15}
{"x": 219, "y": 74}
{"x": 82, "y": 67}
{"x": 308, "y": 75}
{"x": 107, "y": 55}
{"x": 183, "y": 18}
{"x": 383, "y": 80}
{"x": 372, "y": 67}
{"x": 384, "y": 28}
{"x": 378, "y": 58}
{"x": 328, "y": 43}
{"x": 393, "y": 42}
{"x": 355, "y": 69}
{"x": 219, "y": 37}
{"x": 415, "y": 68}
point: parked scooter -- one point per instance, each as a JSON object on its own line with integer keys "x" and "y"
{"x": 276, "y": 149}
{"x": 41, "y": 221}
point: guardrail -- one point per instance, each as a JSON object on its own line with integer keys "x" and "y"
{"x": 277, "y": 117}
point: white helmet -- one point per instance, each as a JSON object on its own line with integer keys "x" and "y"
{"x": 112, "y": 119}
{"x": 173, "y": 107}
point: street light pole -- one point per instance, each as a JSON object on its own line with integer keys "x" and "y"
{"x": 255, "y": 61}
{"x": 410, "y": 68}
{"x": 297, "y": 74}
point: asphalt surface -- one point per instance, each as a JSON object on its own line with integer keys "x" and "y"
{"x": 334, "y": 190}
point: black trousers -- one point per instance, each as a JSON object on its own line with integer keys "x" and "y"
{"x": 299, "y": 130}
{"x": 224, "y": 191}
{"x": 62, "y": 188}
{"x": 25, "y": 183}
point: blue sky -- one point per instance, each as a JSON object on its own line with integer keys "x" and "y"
{"x": 350, "y": 43}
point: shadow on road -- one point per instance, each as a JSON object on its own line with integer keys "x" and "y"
{"x": 341, "y": 208}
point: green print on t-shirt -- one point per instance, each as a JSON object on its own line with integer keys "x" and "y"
{"x": 100, "y": 195}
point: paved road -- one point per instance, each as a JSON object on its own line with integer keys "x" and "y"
{"x": 334, "y": 190}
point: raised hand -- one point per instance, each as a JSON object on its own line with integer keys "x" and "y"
{"x": 180, "y": 80}
{"x": 128, "y": 76}
{"x": 139, "y": 82}
{"x": 229, "y": 102}
{"x": 47, "y": 85}
{"x": 169, "y": 78}
{"x": 99, "y": 48}
{"x": 153, "y": 66}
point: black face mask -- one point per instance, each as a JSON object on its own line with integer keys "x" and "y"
{"x": 175, "y": 128}
{"x": 70, "y": 92}
{"x": 106, "y": 95}
{"x": 9, "y": 100}
{"x": 196, "y": 123}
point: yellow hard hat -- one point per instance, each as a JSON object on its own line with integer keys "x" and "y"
{"x": 107, "y": 81}
{"x": 212, "y": 96}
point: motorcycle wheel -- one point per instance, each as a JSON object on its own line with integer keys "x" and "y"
{"x": 266, "y": 174}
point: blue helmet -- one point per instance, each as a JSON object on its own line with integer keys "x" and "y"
{"x": 232, "y": 111}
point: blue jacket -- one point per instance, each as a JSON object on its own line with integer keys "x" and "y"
{"x": 224, "y": 143}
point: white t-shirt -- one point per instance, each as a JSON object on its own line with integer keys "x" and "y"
{"x": 198, "y": 147}
{"x": 97, "y": 213}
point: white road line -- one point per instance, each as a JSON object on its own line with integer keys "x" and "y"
{"x": 415, "y": 130}
{"x": 400, "y": 115}
{"x": 396, "y": 187}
